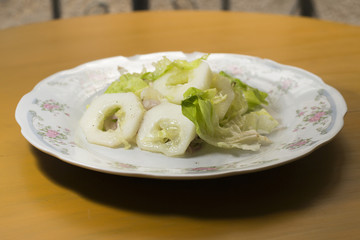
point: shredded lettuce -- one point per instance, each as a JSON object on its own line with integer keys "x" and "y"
{"x": 254, "y": 97}
{"x": 129, "y": 82}
{"x": 238, "y": 125}
{"x": 239, "y": 105}
{"x": 177, "y": 67}
{"x": 261, "y": 121}
{"x": 161, "y": 67}
{"x": 136, "y": 82}
{"x": 198, "y": 108}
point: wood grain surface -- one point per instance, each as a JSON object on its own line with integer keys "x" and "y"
{"x": 316, "y": 197}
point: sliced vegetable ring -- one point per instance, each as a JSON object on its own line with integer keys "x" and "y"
{"x": 112, "y": 119}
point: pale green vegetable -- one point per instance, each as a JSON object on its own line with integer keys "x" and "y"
{"x": 177, "y": 67}
{"x": 136, "y": 82}
{"x": 198, "y": 107}
{"x": 254, "y": 97}
{"x": 129, "y": 82}
{"x": 222, "y": 110}
{"x": 174, "y": 83}
{"x": 224, "y": 96}
{"x": 166, "y": 130}
{"x": 261, "y": 121}
{"x": 112, "y": 120}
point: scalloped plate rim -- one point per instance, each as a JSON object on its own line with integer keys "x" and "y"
{"x": 198, "y": 175}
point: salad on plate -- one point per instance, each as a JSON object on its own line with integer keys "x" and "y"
{"x": 176, "y": 108}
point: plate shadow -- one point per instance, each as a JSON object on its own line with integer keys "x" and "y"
{"x": 292, "y": 186}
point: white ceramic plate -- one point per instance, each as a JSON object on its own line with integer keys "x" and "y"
{"x": 309, "y": 111}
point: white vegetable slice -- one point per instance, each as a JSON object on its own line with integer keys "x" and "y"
{"x": 226, "y": 95}
{"x": 166, "y": 130}
{"x": 112, "y": 119}
{"x": 199, "y": 77}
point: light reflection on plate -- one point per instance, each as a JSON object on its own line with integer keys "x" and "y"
{"x": 309, "y": 111}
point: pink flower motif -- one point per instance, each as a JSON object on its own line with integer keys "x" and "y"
{"x": 51, "y": 133}
{"x": 317, "y": 117}
{"x": 286, "y": 84}
{"x": 300, "y": 143}
{"x": 50, "y": 107}
{"x": 301, "y": 113}
{"x": 236, "y": 70}
{"x": 204, "y": 169}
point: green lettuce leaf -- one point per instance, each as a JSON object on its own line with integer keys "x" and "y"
{"x": 254, "y": 97}
{"x": 261, "y": 121}
{"x": 130, "y": 82}
{"x": 198, "y": 108}
{"x": 239, "y": 105}
{"x": 136, "y": 82}
{"x": 177, "y": 67}
{"x": 161, "y": 67}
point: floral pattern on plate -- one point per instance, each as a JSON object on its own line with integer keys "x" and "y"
{"x": 309, "y": 111}
{"x": 52, "y": 106}
{"x": 317, "y": 115}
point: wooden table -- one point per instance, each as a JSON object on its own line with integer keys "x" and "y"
{"x": 317, "y": 197}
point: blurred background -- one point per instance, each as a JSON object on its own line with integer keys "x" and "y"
{"x": 18, "y": 12}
